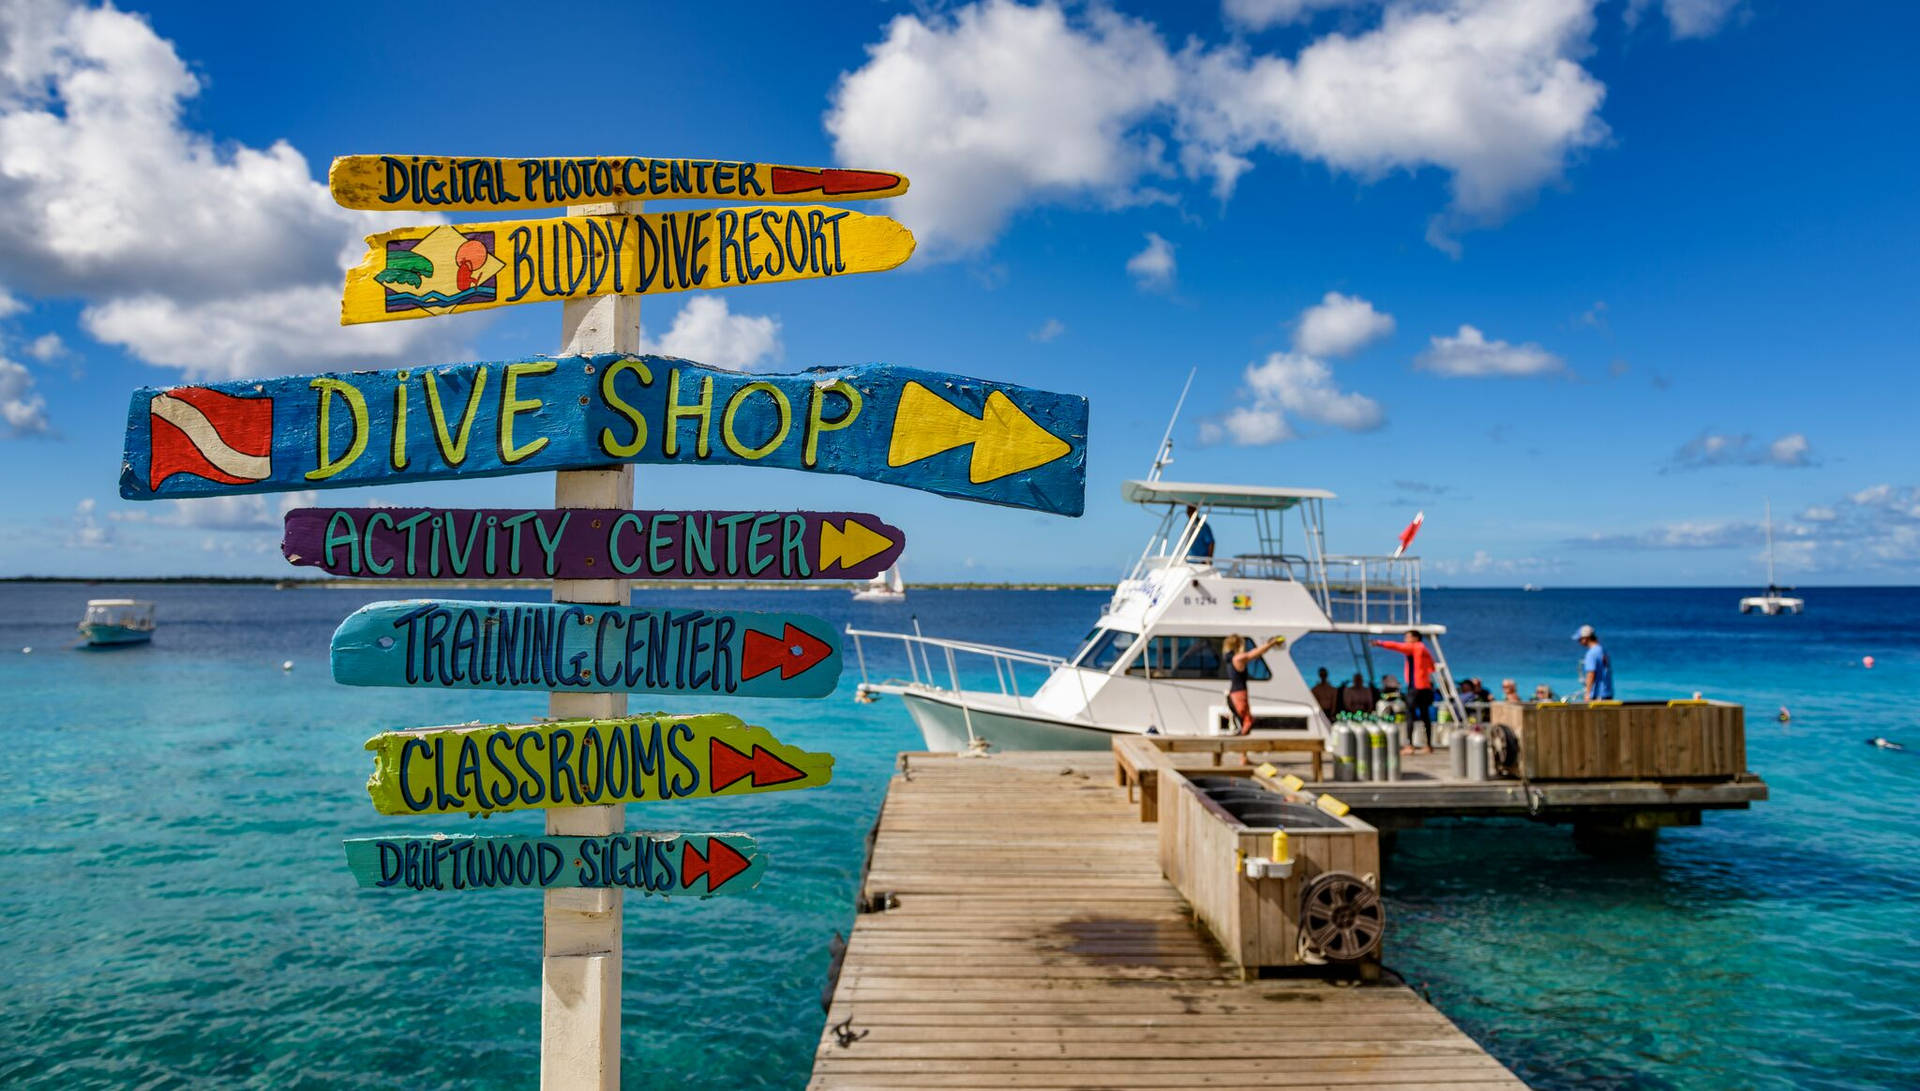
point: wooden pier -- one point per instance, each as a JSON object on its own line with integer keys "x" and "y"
{"x": 1028, "y": 940}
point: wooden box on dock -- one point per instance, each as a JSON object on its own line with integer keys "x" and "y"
{"x": 1256, "y": 921}
{"x": 1629, "y": 740}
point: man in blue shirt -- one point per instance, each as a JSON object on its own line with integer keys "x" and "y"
{"x": 1596, "y": 668}
{"x": 1202, "y": 548}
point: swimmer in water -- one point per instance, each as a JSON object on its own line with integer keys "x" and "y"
{"x": 1884, "y": 744}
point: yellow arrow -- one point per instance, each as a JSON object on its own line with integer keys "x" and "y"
{"x": 1005, "y": 440}
{"x": 850, "y": 543}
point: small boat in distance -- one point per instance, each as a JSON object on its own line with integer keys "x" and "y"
{"x": 1773, "y": 602}
{"x": 117, "y": 621}
{"x": 886, "y": 587}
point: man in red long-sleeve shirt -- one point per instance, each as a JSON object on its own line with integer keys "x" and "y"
{"x": 1419, "y": 675}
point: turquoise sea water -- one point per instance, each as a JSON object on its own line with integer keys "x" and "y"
{"x": 175, "y": 909}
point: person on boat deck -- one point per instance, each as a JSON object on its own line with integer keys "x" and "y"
{"x": 1543, "y": 692}
{"x": 1392, "y": 703}
{"x": 1509, "y": 691}
{"x": 1239, "y": 653}
{"x": 1596, "y": 667}
{"x": 1419, "y": 675}
{"x": 1327, "y": 694}
{"x": 1357, "y": 696}
{"x": 1202, "y": 548}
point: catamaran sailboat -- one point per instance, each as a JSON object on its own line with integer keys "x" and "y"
{"x": 886, "y": 587}
{"x": 1152, "y": 662}
{"x": 1773, "y": 602}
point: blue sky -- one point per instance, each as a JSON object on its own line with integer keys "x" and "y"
{"x": 1585, "y": 282}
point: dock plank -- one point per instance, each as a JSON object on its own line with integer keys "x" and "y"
{"x": 1034, "y": 944}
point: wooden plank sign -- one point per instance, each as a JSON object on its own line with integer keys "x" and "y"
{"x": 457, "y": 644}
{"x": 967, "y": 438}
{"x": 700, "y": 865}
{"x": 583, "y": 763}
{"x": 440, "y": 183}
{"x": 590, "y": 543}
{"x": 414, "y": 272}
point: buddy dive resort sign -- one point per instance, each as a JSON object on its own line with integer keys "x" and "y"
{"x": 967, "y": 438}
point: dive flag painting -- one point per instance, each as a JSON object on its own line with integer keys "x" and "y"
{"x": 211, "y": 435}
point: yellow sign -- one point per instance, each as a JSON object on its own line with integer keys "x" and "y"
{"x": 388, "y": 183}
{"x": 1005, "y": 440}
{"x": 419, "y": 271}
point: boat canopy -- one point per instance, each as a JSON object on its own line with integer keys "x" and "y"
{"x": 1256, "y": 497}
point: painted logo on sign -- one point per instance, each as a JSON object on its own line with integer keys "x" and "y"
{"x": 443, "y": 270}
{"x": 210, "y": 434}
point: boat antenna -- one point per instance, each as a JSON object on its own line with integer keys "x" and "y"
{"x": 1165, "y": 456}
{"x": 1769, "y": 544}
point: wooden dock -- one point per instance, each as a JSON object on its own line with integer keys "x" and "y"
{"x": 1031, "y": 942}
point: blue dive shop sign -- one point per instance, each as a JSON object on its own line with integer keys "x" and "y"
{"x": 960, "y": 437}
{"x": 457, "y": 644}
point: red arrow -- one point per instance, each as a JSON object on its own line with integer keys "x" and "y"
{"x": 720, "y": 864}
{"x": 725, "y": 766}
{"x": 795, "y": 651}
{"x": 833, "y": 181}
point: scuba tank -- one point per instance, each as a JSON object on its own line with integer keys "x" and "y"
{"x": 1476, "y": 755}
{"x": 1377, "y": 742}
{"x": 1342, "y": 738}
{"x": 1457, "y": 751}
{"x": 1362, "y": 751}
{"x": 1392, "y": 733}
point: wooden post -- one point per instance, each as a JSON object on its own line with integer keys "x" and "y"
{"x": 580, "y": 946}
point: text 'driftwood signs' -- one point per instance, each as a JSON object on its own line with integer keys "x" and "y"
{"x": 695, "y": 865}
{"x": 559, "y": 647}
{"x": 590, "y": 543}
{"x": 583, "y": 763}
{"x": 444, "y": 183}
{"x": 966, "y": 438}
{"x": 416, "y": 272}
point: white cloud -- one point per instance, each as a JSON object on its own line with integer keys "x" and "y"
{"x": 1489, "y": 91}
{"x": 1876, "y": 530}
{"x": 1686, "y": 18}
{"x": 1153, "y": 268}
{"x": 1819, "y": 513}
{"x": 1468, "y": 354}
{"x": 221, "y": 513}
{"x": 1721, "y": 449}
{"x": 1261, "y": 14}
{"x": 86, "y": 531}
{"x": 1290, "y": 383}
{"x": 109, "y": 198}
{"x": 9, "y": 304}
{"x": 708, "y": 331}
{"x": 22, "y": 409}
{"x": 1340, "y": 325}
{"x": 47, "y": 346}
{"x": 1049, "y": 330}
{"x": 996, "y": 106}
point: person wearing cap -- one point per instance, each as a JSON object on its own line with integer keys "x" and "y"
{"x": 1596, "y": 667}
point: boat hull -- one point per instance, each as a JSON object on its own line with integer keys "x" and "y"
{"x": 111, "y": 635}
{"x": 943, "y": 724}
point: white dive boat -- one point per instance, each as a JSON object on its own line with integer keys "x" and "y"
{"x": 117, "y": 621}
{"x": 1152, "y": 662}
{"x": 886, "y": 587}
{"x": 1773, "y": 602}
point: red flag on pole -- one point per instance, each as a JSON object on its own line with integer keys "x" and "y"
{"x": 1413, "y": 528}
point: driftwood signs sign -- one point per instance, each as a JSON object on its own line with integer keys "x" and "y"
{"x": 590, "y": 543}
{"x": 442, "y": 183}
{"x": 697, "y": 865}
{"x": 414, "y": 272}
{"x": 456, "y": 644}
{"x": 967, "y": 438}
{"x": 583, "y": 763}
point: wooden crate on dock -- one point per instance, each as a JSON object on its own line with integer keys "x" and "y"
{"x": 1631, "y": 740}
{"x": 1256, "y": 921}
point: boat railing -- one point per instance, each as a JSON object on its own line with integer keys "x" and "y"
{"x": 923, "y": 652}
{"x": 1351, "y": 590}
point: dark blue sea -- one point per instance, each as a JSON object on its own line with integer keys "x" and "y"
{"x": 175, "y": 909}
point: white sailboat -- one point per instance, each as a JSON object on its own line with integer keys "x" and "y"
{"x": 1773, "y": 602}
{"x": 886, "y": 587}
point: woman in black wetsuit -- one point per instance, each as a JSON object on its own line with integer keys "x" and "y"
{"x": 1236, "y": 651}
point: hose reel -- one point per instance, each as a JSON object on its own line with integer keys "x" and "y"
{"x": 1341, "y": 918}
{"x": 1503, "y": 747}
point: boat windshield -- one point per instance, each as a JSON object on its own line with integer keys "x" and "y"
{"x": 1190, "y": 657}
{"x": 1103, "y": 648}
